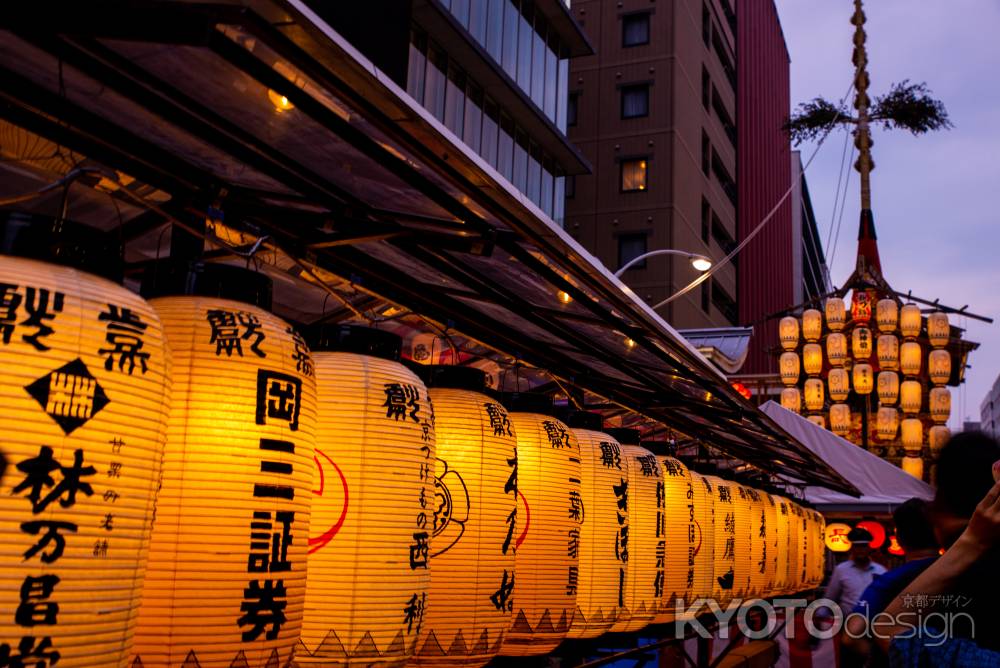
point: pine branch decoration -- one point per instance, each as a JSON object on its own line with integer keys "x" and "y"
{"x": 813, "y": 117}
{"x": 910, "y": 106}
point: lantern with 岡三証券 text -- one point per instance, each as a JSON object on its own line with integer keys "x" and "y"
{"x": 812, "y": 325}
{"x": 86, "y": 377}
{"x": 233, "y": 509}
{"x": 368, "y": 581}
{"x": 836, "y": 313}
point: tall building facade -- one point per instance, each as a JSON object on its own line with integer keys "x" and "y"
{"x": 989, "y": 410}
{"x": 654, "y": 112}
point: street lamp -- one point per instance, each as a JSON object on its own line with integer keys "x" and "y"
{"x": 699, "y": 262}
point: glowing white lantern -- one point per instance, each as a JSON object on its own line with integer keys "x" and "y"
{"x": 840, "y": 419}
{"x": 864, "y": 378}
{"x": 814, "y": 394}
{"x": 938, "y": 329}
{"x": 910, "y": 399}
{"x": 887, "y": 423}
{"x": 888, "y": 387}
{"x": 909, "y": 358}
{"x": 887, "y": 315}
{"x": 839, "y": 384}
{"x": 836, "y": 313}
{"x": 912, "y": 434}
{"x": 788, "y": 364}
{"x": 937, "y": 437}
{"x": 861, "y": 343}
{"x": 939, "y": 366}
{"x": 791, "y": 399}
{"x": 888, "y": 352}
{"x": 788, "y": 332}
{"x": 812, "y": 324}
{"x": 836, "y": 348}
{"x": 812, "y": 358}
{"x": 939, "y": 400}
{"x": 910, "y": 321}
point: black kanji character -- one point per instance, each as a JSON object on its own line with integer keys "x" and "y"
{"x": 29, "y": 655}
{"x": 499, "y": 420}
{"x": 51, "y": 535}
{"x": 502, "y": 598}
{"x": 647, "y": 464}
{"x": 572, "y": 580}
{"x": 302, "y": 356}
{"x": 269, "y": 544}
{"x": 10, "y": 300}
{"x": 124, "y": 334}
{"x": 611, "y": 455}
{"x": 414, "y": 611}
{"x": 510, "y": 487}
{"x": 108, "y": 523}
{"x": 575, "y": 509}
{"x": 419, "y": 550}
{"x": 279, "y": 396}
{"x": 263, "y": 606}
{"x": 34, "y": 609}
{"x": 36, "y": 303}
{"x": 115, "y": 470}
{"x": 401, "y": 400}
{"x": 621, "y": 544}
{"x": 558, "y": 437}
{"x": 37, "y": 476}
{"x": 658, "y": 585}
{"x": 724, "y": 494}
{"x": 101, "y": 548}
{"x": 573, "y": 543}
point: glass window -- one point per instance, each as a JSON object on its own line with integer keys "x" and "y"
{"x": 460, "y": 10}
{"x": 562, "y": 95}
{"x": 494, "y": 28}
{"x": 521, "y": 162}
{"x": 631, "y": 246}
{"x": 706, "y": 25}
{"x": 505, "y": 155}
{"x": 477, "y": 20}
{"x": 572, "y": 108}
{"x": 706, "y": 153}
{"x": 454, "y": 106}
{"x": 534, "y": 189}
{"x": 524, "y": 42}
{"x": 559, "y": 201}
{"x": 706, "y": 219}
{"x": 570, "y": 186}
{"x": 547, "y": 186}
{"x": 510, "y": 41}
{"x": 538, "y": 63}
{"x": 634, "y": 175}
{"x": 635, "y": 101}
{"x": 706, "y": 291}
{"x": 434, "y": 85}
{"x": 635, "y": 29}
{"x": 551, "y": 82}
{"x": 416, "y": 66}
{"x": 706, "y": 87}
{"x": 473, "y": 118}
{"x": 491, "y": 124}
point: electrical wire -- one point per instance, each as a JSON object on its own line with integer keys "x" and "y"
{"x": 70, "y": 176}
{"x": 843, "y": 205}
{"x": 836, "y": 196}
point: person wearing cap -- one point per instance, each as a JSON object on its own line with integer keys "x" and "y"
{"x": 850, "y": 578}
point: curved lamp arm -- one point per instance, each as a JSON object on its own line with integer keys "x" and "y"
{"x": 694, "y": 257}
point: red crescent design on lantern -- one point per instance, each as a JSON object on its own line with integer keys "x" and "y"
{"x": 320, "y": 541}
{"x": 527, "y": 522}
{"x": 700, "y": 537}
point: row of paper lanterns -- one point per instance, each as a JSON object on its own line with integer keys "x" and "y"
{"x": 438, "y": 527}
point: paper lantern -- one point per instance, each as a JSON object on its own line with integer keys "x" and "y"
{"x": 861, "y": 307}
{"x": 86, "y": 381}
{"x": 788, "y": 364}
{"x": 888, "y": 387}
{"x": 604, "y": 540}
{"x": 888, "y": 352}
{"x": 812, "y": 325}
{"x": 645, "y": 578}
{"x": 939, "y": 366}
{"x": 887, "y": 423}
{"x": 791, "y": 399}
{"x": 770, "y": 556}
{"x": 887, "y": 315}
{"x": 795, "y": 551}
{"x": 939, "y": 402}
{"x": 681, "y": 537}
{"x": 757, "y": 576}
{"x": 938, "y": 329}
{"x": 226, "y": 580}
{"x": 913, "y": 465}
{"x": 372, "y": 535}
{"x": 909, "y": 358}
{"x": 912, "y": 434}
{"x": 910, "y": 396}
{"x": 428, "y": 348}
{"x": 876, "y": 530}
{"x": 836, "y": 313}
{"x": 731, "y": 544}
{"x": 818, "y": 562}
{"x": 861, "y": 343}
{"x": 812, "y": 358}
{"x": 836, "y": 348}
{"x": 894, "y": 547}
{"x": 788, "y": 332}
{"x": 910, "y": 321}
{"x": 864, "y": 378}
{"x": 817, "y": 420}
{"x": 840, "y": 419}
{"x": 704, "y": 536}
{"x": 835, "y": 537}
{"x": 814, "y": 394}
{"x": 781, "y": 584}
{"x": 839, "y": 384}
{"x": 937, "y": 436}
{"x": 547, "y": 558}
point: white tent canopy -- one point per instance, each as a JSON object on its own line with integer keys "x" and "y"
{"x": 883, "y": 486}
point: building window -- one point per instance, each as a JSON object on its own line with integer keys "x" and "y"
{"x": 572, "y": 108}
{"x": 633, "y": 175}
{"x": 726, "y": 305}
{"x": 635, "y": 101}
{"x": 706, "y": 220}
{"x": 706, "y": 153}
{"x": 706, "y": 88}
{"x": 635, "y": 29}
{"x": 706, "y": 25}
{"x": 570, "y": 186}
{"x": 631, "y": 246}
{"x": 706, "y": 295}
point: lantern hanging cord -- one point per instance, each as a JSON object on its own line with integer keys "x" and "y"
{"x": 760, "y": 226}
{"x": 70, "y": 176}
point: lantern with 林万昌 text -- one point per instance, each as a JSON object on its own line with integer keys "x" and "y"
{"x": 938, "y": 329}
{"x": 840, "y": 419}
{"x": 939, "y": 402}
{"x": 887, "y": 315}
{"x": 888, "y": 352}
{"x": 791, "y": 399}
{"x": 887, "y": 423}
{"x": 909, "y": 358}
{"x": 812, "y": 325}
{"x": 788, "y": 332}
{"x": 788, "y": 365}
{"x": 863, "y": 378}
{"x": 910, "y": 396}
{"x": 836, "y": 313}
{"x": 86, "y": 376}
{"x": 812, "y": 358}
{"x": 888, "y": 387}
{"x": 814, "y": 394}
{"x": 550, "y": 501}
{"x": 939, "y": 366}
{"x": 861, "y": 343}
{"x": 910, "y": 321}
{"x": 836, "y": 348}
{"x": 233, "y": 509}
{"x": 839, "y": 384}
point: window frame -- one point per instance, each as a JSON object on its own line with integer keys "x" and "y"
{"x": 573, "y": 109}
{"x": 625, "y": 89}
{"x": 644, "y": 160}
{"x": 647, "y": 16}
{"x": 645, "y": 249}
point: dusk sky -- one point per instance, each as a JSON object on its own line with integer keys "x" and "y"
{"x": 934, "y": 196}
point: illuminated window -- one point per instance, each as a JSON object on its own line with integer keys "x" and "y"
{"x": 634, "y": 175}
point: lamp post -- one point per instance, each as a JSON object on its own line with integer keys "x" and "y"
{"x": 699, "y": 262}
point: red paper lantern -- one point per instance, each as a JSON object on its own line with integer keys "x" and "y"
{"x": 861, "y": 306}
{"x": 742, "y": 389}
{"x": 894, "y": 547}
{"x": 876, "y": 530}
